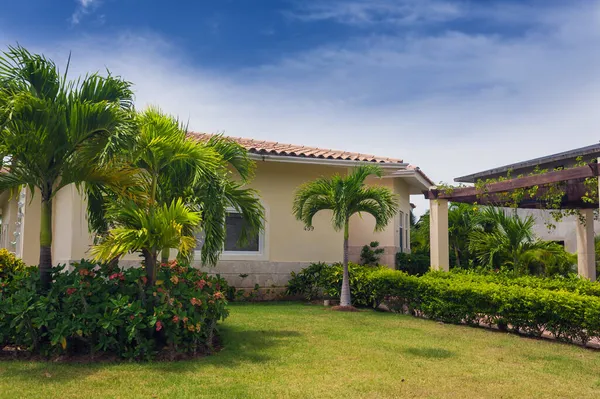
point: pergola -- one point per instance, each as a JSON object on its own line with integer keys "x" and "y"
{"x": 572, "y": 183}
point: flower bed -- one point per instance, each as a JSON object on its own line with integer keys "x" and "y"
{"x": 96, "y": 309}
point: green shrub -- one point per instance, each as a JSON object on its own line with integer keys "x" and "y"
{"x": 413, "y": 264}
{"x": 93, "y": 309}
{"x": 321, "y": 280}
{"x": 566, "y": 307}
{"x": 571, "y": 283}
{"x": 9, "y": 263}
{"x": 370, "y": 254}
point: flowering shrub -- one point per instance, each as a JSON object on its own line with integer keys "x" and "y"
{"x": 92, "y": 309}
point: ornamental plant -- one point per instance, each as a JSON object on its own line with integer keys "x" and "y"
{"x": 56, "y": 132}
{"x": 95, "y": 309}
{"x": 346, "y": 196}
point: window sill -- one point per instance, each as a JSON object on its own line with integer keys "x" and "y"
{"x": 231, "y": 256}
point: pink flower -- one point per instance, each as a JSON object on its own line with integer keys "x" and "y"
{"x": 120, "y": 276}
{"x": 144, "y": 280}
{"x": 71, "y": 291}
{"x": 195, "y": 302}
{"x": 159, "y": 325}
{"x": 218, "y": 295}
{"x": 200, "y": 284}
{"x": 175, "y": 319}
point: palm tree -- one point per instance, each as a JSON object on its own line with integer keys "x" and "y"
{"x": 148, "y": 230}
{"x": 179, "y": 174}
{"x": 504, "y": 239}
{"x": 56, "y": 132}
{"x": 461, "y": 221}
{"x": 345, "y": 196}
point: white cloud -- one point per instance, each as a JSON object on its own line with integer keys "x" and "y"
{"x": 368, "y": 12}
{"x": 452, "y": 103}
{"x": 83, "y": 8}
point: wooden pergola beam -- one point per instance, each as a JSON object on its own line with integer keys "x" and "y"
{"x": 466, "y": 193}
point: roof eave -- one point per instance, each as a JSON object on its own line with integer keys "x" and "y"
{"x": 325, "y": 161}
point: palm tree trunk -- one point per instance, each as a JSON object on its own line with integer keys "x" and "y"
{"x": 46, "y": 244}
{"x": 345, "y": 299}
{"x": 456, "y": 253}
{"x": 150, "y": 263}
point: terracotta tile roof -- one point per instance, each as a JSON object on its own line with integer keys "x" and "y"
{"x": 280, "y": 149}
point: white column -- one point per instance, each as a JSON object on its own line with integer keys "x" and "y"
{"x": 438, "y": 235}
{"x": 586, "y": 254}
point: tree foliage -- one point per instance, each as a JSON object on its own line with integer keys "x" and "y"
{"x": 56, "y": 132}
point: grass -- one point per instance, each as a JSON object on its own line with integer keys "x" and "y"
{"x": 291, "y": 350}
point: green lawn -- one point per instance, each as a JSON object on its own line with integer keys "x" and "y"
{"x": 287, "y": 350}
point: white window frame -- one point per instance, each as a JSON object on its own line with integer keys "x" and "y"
{"x": 401, "y": 232}
{"x": 261, "y": 254}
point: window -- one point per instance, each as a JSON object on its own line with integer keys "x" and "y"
{"x": 234, "y": 223}
{"x": 256, "y": 247}
{"x": 406, "y": 230}
{"x": 401, "y": 231}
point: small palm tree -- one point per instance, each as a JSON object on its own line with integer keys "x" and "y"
{"x": 346, "y": 196}
{"x": 148, "y": 231}
{"x": 56, "y": 132}
{"x": 175, "y": 173}
{"x": 504, "y": 239}
{"x": 461, "y": 220}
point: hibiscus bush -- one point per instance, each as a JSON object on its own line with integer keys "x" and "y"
{"x": 95, "y": 309}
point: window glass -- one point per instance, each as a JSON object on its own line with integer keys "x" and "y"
{"x": 234, "y": 223}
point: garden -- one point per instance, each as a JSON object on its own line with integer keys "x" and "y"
{"x": 163, "y": 328}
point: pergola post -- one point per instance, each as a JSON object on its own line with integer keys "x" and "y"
{"x": 438, "y": 235}
{"x": 586, "y": 254}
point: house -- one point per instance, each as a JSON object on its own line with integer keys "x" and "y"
{"x": 284, "y": 245}
{"x": 563, "y": 231}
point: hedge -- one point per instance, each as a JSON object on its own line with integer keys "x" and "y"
{"x": 572, "y": 283}
{"x": 569, "y": 316}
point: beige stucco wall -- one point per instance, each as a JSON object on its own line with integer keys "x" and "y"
{"x": 287, "y": 239}
{"x": 362, "y": 226}
{"x": 30, "y": 238}
{"x": 9, "y": 217}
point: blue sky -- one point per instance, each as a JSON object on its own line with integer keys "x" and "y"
{"x": 452, "y": 86}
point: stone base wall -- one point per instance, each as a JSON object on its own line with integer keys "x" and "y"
{"x": 246, "y": 274}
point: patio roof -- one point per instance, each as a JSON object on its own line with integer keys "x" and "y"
{"x": 592, "y": 151}
{"x": 572, "y": 180}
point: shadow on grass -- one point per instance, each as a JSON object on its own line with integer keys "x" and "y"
{"x": 430, "y": 353}
{"x": 239, "y": 346}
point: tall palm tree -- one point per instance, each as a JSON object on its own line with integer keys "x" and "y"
{"x": 346, "y": 196}
{"x": 504, "y": 239}
{"x": 56, "y": 132}
{"x": 179, "y": 174}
